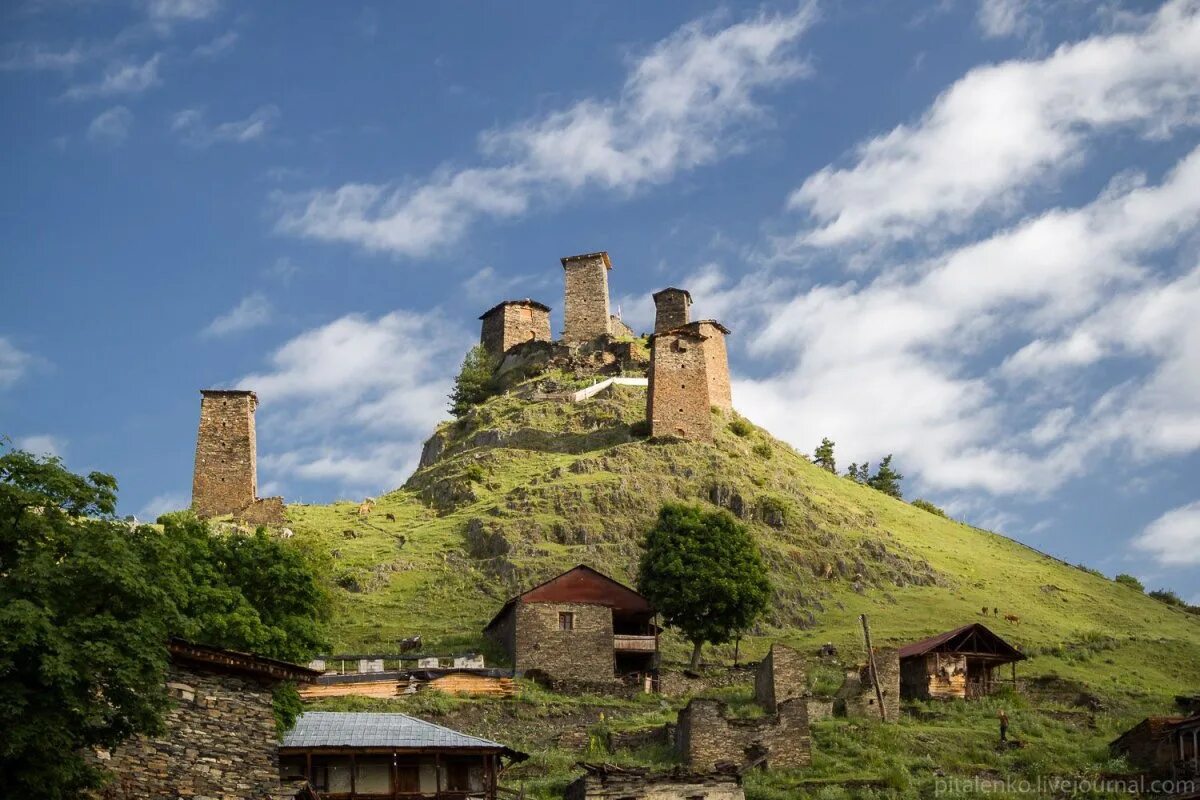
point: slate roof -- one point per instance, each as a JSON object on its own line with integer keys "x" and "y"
{"x": 344, "y": 729}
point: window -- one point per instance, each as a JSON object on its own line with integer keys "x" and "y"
{"x": 566, "y": 620}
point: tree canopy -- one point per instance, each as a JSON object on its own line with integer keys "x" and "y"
{"x": 823, "y": 458}
{"x": 88, "y": 604}
{"x": 475, "y": 382}
{"x": 886, "y": 479}
{"x": 704, "y": 573}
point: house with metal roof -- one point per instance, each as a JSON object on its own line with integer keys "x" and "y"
{"x": 366, "y": 755}
{"x": 581, "y": 626}
{"x": 962, "y": 663}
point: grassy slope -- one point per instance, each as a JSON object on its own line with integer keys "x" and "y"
{"x": 560, "y": 484}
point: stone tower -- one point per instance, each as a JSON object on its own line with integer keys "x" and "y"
{"x": 225, "y": 479}
{"x": 672, "y": 309}
{"x": 585, "y": 304}
{"x": 689, "y": 375}
{"x": 511, "y": 323}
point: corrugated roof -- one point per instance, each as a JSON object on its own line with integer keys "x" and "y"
{"x": 933, "y": 642}
{"x": 346, "y": 729}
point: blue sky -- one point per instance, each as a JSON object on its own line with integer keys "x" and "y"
{"x": 966, "y": 234}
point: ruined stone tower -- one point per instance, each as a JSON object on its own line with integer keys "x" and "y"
{"x": 585, "y": 303}
{"x": 511, "y": 323}
{"x": 225, "y": 478}
{"x": 672, "y": 309}
{"x": 689, "y": 375}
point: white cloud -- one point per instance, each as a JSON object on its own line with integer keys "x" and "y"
{"x": 181, "y": 10}
{"x": 1174, "y": 538}
{"x": 126, "y": 78}
{"x": 355, "y": 398}
{"x": 32, "y": 56}
{"x": 1000, "y": 130}
{"x": 190, "y": 124}
{"x": 43, "y": 445}
{"x": 162, "y": 503}
{"x": 111, "y": 127}
{"x": 1000, "y": 18}
{"x": 218, "y": 46}
{"x": 683, "y": 105}
{"x": 253, "y": 311}
{"x": 14, "y": 362}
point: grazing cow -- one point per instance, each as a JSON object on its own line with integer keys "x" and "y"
{"x": 364, "y": 508}
{"x": 985, "y": 611}
{"x": 390, "y": 517}
{"x": 1012, "y": 618}
{"x": 410, "y": 644}
{"x": 995, "y": 612}
{"x": 286, "y": 533}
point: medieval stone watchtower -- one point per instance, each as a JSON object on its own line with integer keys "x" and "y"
{"x": 225, "y": 478}
{"x": 585, "y": 307}
{"x": 689, "y": 375}
{"x": 672, "y": 309}
{"x": 512, "y": 322}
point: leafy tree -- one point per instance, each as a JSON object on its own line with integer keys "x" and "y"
{"x": 475, "y": 382}
{"x": 859, "y": 474}
{"x": 1130, "y": 581}
{"x": 704, "y": 573}
{"x": 88, "y": 603}
{"x": 824, "y": 456}
{"x": 925, "y": 505}
{"x": 1168, "y": 597}
{"x": 886, "y": 479}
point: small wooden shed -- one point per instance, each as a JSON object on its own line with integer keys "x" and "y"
{"x": 962, "y": 663}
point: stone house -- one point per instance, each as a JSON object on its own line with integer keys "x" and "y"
{"x": 1148, "y": 745}
{"x": 581, "y": 626}
{"x": 1185, "y": 748}
{"x": 706, "y": 738}
{"x": 689, "y": 376}
{"x": 219, "y": 740}
{"x": 513, "y": 322}
{"x": 367, "y": 755}
{"x": 962, "y": 663}
{"x": 607, "y": 782}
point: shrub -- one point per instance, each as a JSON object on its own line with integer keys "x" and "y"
{"x": 474, "y": 473}
{"x": 1130, "y": 581}
{"x": 640, "y": 429}
{"x": 762, "y": 449}
{"x": 1168, "y": 597}
{"x": 741, "y": 427}
{"x": 925, "y": 505}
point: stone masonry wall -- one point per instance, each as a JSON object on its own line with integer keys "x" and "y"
{"x": 634, "y": 786}
{"x": 671, "y": 309}
{"x": 219, "y": 743}
{"x": 677, "y": 402}
{"x": 706, "y": 737}
{"x": 582, "y": 654}
{"x": 716, "y": 364}
{"x": 780, "y": 677}
{"x": 856, "y": 698}
{"x": 225, "y": 478}
{"x": 585, "y": 300}
{"x": 512, "y": 323}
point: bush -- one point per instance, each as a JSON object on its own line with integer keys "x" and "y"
{"x": 762, "y": 449}
{"x": 640, "y": 429}
{"x": 474, "y": 473}
{"x": 1168, "y": 597}
{"x": 925, "y": 505}
{"x": 741, "y": 427}
{"x": 1130, "y": 581}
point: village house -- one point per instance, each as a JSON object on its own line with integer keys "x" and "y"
{"x": 1185, "y": 748}
{"x": 345, "y": 756}
{"x": 608, "y": 782}
{"x": 1149, "y": 745}
{"x": 219, "y": 739}
{"x": 580, "y": 626}
{"x": 961, "y": 663}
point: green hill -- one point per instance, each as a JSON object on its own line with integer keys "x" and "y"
{"x": 522, "y": 490}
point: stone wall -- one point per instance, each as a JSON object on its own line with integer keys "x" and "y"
{"x": 857, "y": 698}
{"x": 677, "y": 401}
{"x": 511, "y": 323}
{"x": 225, "y": 478}
{"x": 716, "y": 364}
{"x": 585, "y": 299}
{"x": 672, "y": 309}
{"x": 631, "y": 784}
{"x": 618, "y": 328}
{"x": 706, "y": 737}
{"x": 584, "y": 653}
{"x": 780, "y": 677}
{"x": 219, "y": 743}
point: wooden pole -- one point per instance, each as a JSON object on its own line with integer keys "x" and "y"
{"x": 871, "y": 667}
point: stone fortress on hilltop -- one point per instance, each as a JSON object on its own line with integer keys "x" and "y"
{"x": 683, "y": 364}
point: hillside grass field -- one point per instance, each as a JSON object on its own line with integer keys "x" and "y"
{"x": 524, "y": 490}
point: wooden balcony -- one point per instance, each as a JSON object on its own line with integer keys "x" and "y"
{"x": 625, "y": 643}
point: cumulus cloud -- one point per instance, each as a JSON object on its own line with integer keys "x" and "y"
{"x": 121, "y": 78}
{"x": 1000, "y": 18}
{"x": 36, "y": 57}
{"x": 194, "y": 130}
{"x": 999, "y": 130}
{"x": 181, "y": 10}
{"x": 14, "y": 363}
{"x": 373, "y": 388}
{"x": 253, "y": 311}
{"x": 1174, "y": 538}
{"x": 218, "y": 46}
{"x": 683, "y": 105}
{"x": 162, "y": 503}
{"x": 43, "y": 444}
{"x": 111, "y": 127}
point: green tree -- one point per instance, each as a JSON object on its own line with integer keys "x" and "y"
{"x": 86, "y": 608}
{"x": 925, "y": 505}
{"x": 859, "y": 473}
{"x": 1130, "y": 581}
{"x": 886, "y": 479}
{"x": 824, "y": 456}
{"x": 704, "y": 573}
{"x": 475, "y": 382}
{"x": 88, "y": 603}
{"x": 1167, "y": 596}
